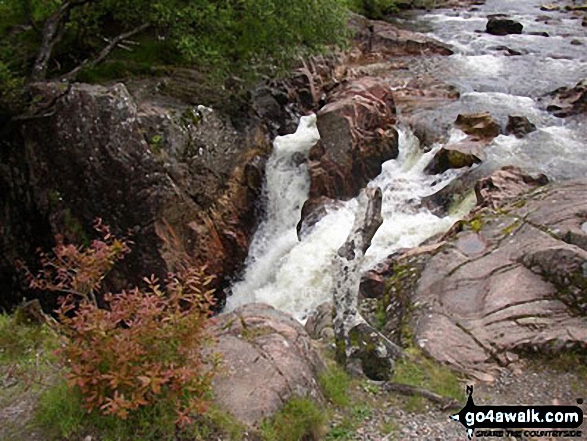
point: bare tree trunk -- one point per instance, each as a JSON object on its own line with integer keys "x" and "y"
{"x": 53, "y": 31}
{"x": 360, "y": 347}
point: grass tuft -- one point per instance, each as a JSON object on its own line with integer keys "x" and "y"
{"x": 335, "y": 383}
{"x": 300, "y": 418}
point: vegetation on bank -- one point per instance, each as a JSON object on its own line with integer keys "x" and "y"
{"x": 230, "y": 43}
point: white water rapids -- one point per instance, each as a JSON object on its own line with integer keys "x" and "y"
{"x": 294, "y": 276}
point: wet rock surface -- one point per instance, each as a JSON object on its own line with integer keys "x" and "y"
{"x": 357, "y": 136}
{"x": 567, "y": 101}
{"x": 267, "y": 358}
{"x": 519, "y": 126}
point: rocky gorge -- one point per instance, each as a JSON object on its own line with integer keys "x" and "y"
{"x": 480, "y": 261}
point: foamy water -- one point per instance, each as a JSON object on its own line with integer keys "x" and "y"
{"x": 294, "y": 276}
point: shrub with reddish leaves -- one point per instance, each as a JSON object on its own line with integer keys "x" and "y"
{"x": 145, "y": 346}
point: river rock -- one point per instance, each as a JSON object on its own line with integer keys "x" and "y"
{"x": 506, "y": 284}
{"x": 178, "y": 177}
{"x": 319, "y": 323}
{"x": 504, "y": 185}
{"x": 358, "y": 135}
{"x": 267, "y": 358}
{"x": 480, "y": 125}
{"x": 567, "y": 101}
{"x": 501, "y": 25}
{"x": 519, "y": 126}
{"x": 313, "y": 210}
{"x": 380, "y": 39}
{"x": 456, "y": 155}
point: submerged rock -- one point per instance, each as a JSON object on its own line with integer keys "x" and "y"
{"x": 501, "y": 25}
{"x": 267, "y": 358}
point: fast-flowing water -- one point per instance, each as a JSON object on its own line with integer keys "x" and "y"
{"x": 294, "y": 275}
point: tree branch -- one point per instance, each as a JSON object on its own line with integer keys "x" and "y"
{"x": 104, "y": 52}
{"x": 53, "y": 31}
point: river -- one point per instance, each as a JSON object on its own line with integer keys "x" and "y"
{"x": 294, "y": 276}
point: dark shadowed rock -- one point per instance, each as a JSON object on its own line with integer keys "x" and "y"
{"x": 358, "y": 135}
{"x": 501, "y": 25}
{"x": 519, "y": 126}
{"x": 267, "y": 358}
{"x": 456, "y": 155}
{"x": 313, "y": 210}
{"x": 149, "y": 167}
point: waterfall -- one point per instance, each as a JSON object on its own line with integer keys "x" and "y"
{"x": 295, "y": 276}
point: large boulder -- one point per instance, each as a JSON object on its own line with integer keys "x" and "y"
{"x": 267, "y": 358}
{"x": 501, "y": 25}
{"x": 178, "y": 177}
{"x": 357, "y": 136}
{"x": 505, "y": 283}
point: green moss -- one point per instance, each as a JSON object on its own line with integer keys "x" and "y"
{"x": 75, "y": 228}
{"x": 21, "y": 340}
{"x": 251, "y": 334}
{"x": 476, "y": 224}
{"x": 335, "y": 383}
{"x": 156, "y": 143}
{"x": 300, "y": 418}
{"x": 511, "y": 228}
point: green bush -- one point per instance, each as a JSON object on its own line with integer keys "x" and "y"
{"x": 375, "y": 9}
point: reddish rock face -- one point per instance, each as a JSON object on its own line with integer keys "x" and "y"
{"x": 145, "y": 167}
{"x": 505, "y": 184}
{"x": 514, "y": 283}
{"x": 267, "y": 358}
{"x": 357, "y": 132}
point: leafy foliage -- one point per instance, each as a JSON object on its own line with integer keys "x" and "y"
{"x": 375, "y": 9}
{"x": 228, "y": 37}
{"x": 142, "y": 352}
{"x": 78, "y": 270}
